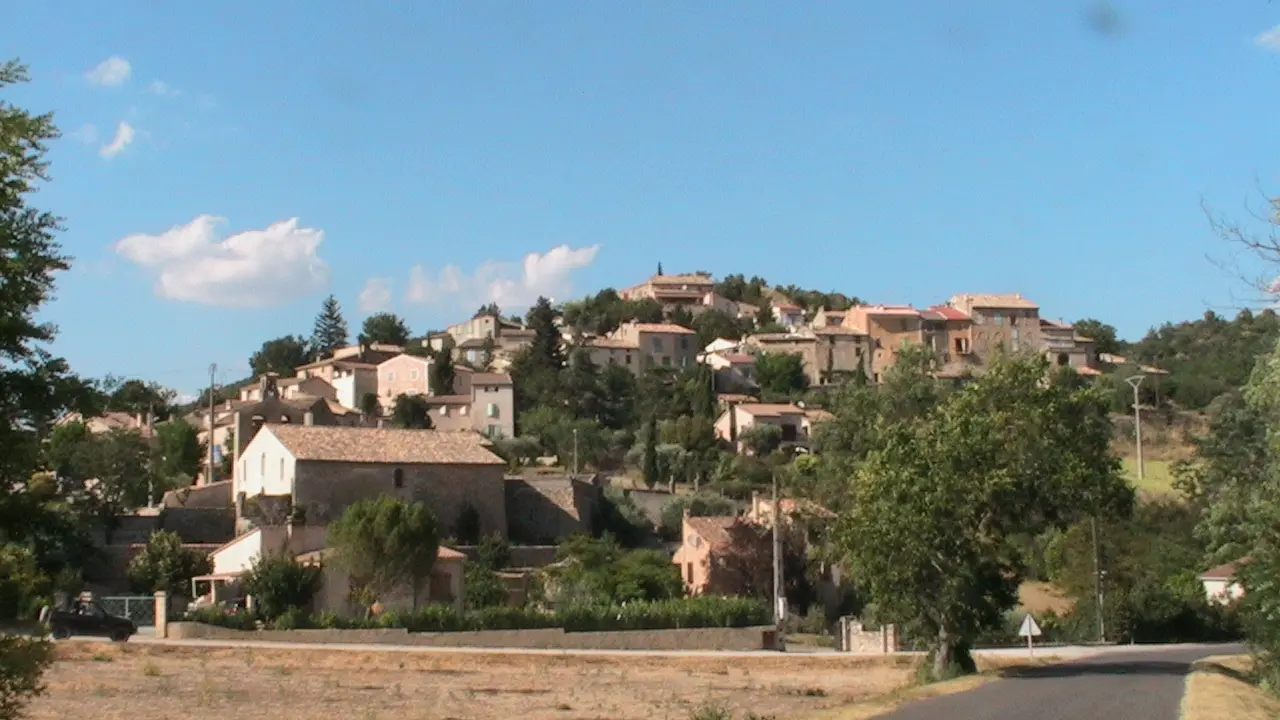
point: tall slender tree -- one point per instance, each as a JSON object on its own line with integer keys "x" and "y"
{"x": 331, "y": 330}
{"x": 385, "y": 328}
{"x": 442, "y": 374}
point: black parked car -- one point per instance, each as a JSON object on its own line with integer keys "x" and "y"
{"x": 86, "y": 617}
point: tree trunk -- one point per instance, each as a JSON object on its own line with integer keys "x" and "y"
{"x": 944, "y": 655}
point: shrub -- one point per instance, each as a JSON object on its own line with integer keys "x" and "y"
{"x": 222, "y": 618}
{"x": 278, "y": 584}
{"x": 699, "y": 506}
{"x": 164, "y": 564}
{"x": 22, "y": 662}
{"x": 22, "y": 585}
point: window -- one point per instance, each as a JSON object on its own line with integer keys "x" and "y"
{"x": 494, "y": 431}
{"x": 462, "y": 410}
{"x": 657, "y": 344}
{"x": 666, "y": 361}
{"x": 391, "y": 376}
{"x": 999, "y": 320}
{"x": 397, "y": 477}
{"x": 688, "y": 573}
{"x": 444, "y": 410}
{"x": 628, "y": 358}
{"x": 413, "y": 374}
{"x": 684, "y": 342}
{"x": 491, "y": 410}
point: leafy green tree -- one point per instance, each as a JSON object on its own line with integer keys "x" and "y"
{"x": 330, "y": 331}
{"x": 761, "y": 440}
{"x": 384, "y": 542}
{"x": 481, "y": 583}
{"x": 713, "y": 324}
{"x": 35, "y": 386}
{"x": 582, "y": 386}
{"x": 488, "y": 349}
{"x": 385, "y": 329}
{"x": 600, "y": 571}
{"x": 1005, "y": 454}
{"x": 22, "y": 583}
{"x": 1103, "y": 335}
{"x": 467, "y": 527}
{"x": 369, "y": 405}
{"x": 279, "y": 583}
{"x": 764, "y": 315}
{"x": 781, "y": 374}
{"x": 680, "y": 315}
{"x": 411, "y": 412}
{"x": 1227, "y": 476}
{"x": 138, "y": 397}
{"x": 618, "y": 398}
{"x": 281, "y": 356}
{"x": 179, "y": 451}
{"x": 739, "y": 289}
{"x": 164, "y": 564}
{"x": 24, "y": 662}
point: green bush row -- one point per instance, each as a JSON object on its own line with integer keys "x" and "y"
{"x": 699, "y": 612}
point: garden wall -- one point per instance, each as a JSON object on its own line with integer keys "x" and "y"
{"x": 743, "y": 639}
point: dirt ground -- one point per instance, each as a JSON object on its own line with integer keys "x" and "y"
{"x": 149, "y": 682}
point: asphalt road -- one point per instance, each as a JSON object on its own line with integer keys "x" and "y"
{"x": 1129, "y": 684}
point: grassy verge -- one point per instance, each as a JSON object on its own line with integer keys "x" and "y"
{"x": 1157, "y": 478}
{"x": 989, "y": 669}
{"x": 1221, "y": 687}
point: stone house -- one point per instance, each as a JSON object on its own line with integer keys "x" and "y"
{"x": 793, "y": 420}
{"x": 107, "y": 421}
{"x": 672, "y": 291}
{"x": 830, "y": 353}
{"x": 321, "y": 471}
{"x": 788, "y": 315}
{"x": 1000, "y": 323}
{"x": 640, "y": 346}
{"x": 701, "y": 538}
{"x": 291, "y": 387}
{"x": 1221, "y": 584}
{"x": 826, "y": 317}
{"x": 1063, "y": 346}
{"x": 888, "y": 328}
{"x": 480, "y": 401}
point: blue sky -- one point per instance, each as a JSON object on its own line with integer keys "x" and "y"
{"x": 901, "y": 152}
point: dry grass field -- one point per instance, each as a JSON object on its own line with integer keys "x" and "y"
{"x": 150, "y": 682}
{"x": 1220, "y": 689}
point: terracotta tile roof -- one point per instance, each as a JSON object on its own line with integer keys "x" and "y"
{"x": 771, "y": 409}
{"x": 384, "y": 445}
{"x": 1088, "y": 371}
{"x": 667, "y": 292}
{"x": 1054, "y": 324}
{"x": 1225, "y": 571}
{"x": 838, "y": 314}
{"x": 484, "y": 378}
{"x": 670, "y": 328}
{"x": 341, "y": 364}
{"x": 1000, "y": 301}
{"x": 414, "y": 358}
{"x": 734, "y": 397}
{"x": 715, "y": 530}
{"x": 947, "y": 312}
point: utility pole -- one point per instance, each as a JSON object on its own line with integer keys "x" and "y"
{"x": 1136, "y": 382}
{"x": 779, "y": 595}
{"x": 213, "y": 375}
{"x": 151, "y": 482}
{"x": 1097, "y": 582}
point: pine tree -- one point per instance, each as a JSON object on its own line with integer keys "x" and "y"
{"x": 651, "y": 452}
{"x": 546, "y": 352}
{"x": 331, "y": 328}
{"x": 442, "y": 371}
{"x": 659, "y": 268}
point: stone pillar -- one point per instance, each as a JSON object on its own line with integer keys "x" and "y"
{"x": 162, "y": 614}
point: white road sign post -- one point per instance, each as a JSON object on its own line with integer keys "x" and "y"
{"x": 1029, "y": 630}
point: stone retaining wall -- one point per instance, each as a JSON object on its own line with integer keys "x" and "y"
{"x": 753, "y": 638}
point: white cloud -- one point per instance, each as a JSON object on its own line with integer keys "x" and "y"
{"x": 508, "y": 285}
{"x": 124, "y": 136}
{"x": 376, "y": 296}
{"x": 87, "y": 134}
{"x": 1269, "y": 40}
{"x": 253, "y": 268}
{"x": 111, "y": 72}
{"x": 163, "y": 89}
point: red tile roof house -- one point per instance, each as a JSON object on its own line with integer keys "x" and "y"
{"x": 1220, "y": 583}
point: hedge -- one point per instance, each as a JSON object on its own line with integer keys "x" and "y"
{"x": 698, "y": 612}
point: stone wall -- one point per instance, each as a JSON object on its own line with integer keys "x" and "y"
{"x": 854, "y": 638}
{"x": 548, "y": 510}
{"x": 217, "y": 495}
{"x": 744, "y": 639}
{"x": 326, "y": 489}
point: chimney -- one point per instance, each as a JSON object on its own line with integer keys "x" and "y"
{"x": 308, "y": 418}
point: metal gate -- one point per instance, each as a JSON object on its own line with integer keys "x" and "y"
{"x": 139, "y": 608}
